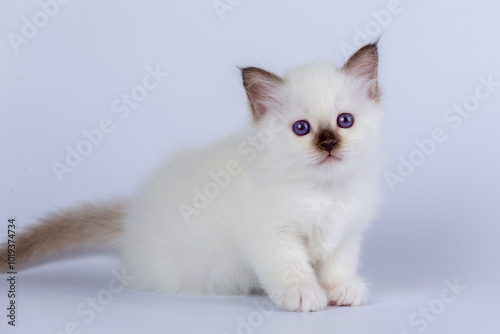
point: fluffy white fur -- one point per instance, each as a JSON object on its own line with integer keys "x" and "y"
{"x": 286, "y": 223}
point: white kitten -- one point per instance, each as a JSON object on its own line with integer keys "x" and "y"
{"x": 278, "y": 207}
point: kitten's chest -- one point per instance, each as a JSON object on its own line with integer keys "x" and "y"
{"x": 322, "y": 206}
{"x": 324, "y": 217}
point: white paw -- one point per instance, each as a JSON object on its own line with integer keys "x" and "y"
{"x": 303, "y": 299}
{"x": 353, "y": 293}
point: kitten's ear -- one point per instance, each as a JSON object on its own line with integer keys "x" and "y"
{"x": 364, "y": 66}
{"x": 262, "y": 89}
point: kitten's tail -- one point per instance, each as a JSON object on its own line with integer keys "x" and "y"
{"x": 89, "y": 226}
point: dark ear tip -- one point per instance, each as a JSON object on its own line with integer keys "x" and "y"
{"x": 245, "y": 71}
{"x": 373, "y": 46}
{"x": 248, "y": 72}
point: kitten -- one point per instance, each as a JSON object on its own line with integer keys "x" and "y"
{"x": 278, "y": 207}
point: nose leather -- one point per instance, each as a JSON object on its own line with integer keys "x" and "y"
{"x": 328, "y": 145}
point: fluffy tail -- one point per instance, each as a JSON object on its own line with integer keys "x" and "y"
{"x": 89, "y": 226}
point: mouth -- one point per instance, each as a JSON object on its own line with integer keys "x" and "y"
{"x": 329, "y": 159}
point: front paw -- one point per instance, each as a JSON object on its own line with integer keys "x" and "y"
{"x": 302, "y": 299}
{"x": 349, "y": 293}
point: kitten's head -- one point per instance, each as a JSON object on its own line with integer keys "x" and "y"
{"x": 325, "y": 120}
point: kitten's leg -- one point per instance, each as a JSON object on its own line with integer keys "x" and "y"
{"x": 337, "y": 274}
{"x": 285, "y": 272}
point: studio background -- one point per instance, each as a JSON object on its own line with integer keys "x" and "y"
{"x": 66, "y": 74}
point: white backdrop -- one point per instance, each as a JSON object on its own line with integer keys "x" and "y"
{"x": 67, "y": 68}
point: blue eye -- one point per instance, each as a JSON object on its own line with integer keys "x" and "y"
{"x": 345, "y": 120}
{"x": 301, "y": 128}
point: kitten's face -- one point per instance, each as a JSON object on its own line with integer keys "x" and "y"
{"x": 330, "y": 116}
